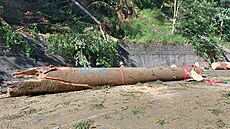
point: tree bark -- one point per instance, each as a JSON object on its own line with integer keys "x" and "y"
{"x": 61, "y": 79}
{"x": 174, "y": 16}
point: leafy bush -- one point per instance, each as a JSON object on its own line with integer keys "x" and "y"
{"x": 86, "y": 49}
{"x": 204, "y": 24}
{"x": 143, "y": 4}
{"x": 201, "y": 18}
{"x": 12, "y": 37}
{"x": 207, "y": 48}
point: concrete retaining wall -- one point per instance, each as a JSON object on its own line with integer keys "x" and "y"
{"x": 147, "y": 55}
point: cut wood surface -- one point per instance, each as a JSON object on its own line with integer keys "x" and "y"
{"x": 221, "y": 65}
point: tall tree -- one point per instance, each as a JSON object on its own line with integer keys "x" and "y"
{"x": 176, "y": 6}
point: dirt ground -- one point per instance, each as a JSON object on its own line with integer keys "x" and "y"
{"x": 152, "y": 105}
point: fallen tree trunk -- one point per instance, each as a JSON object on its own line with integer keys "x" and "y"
{"x": 221, "y": 65}
{"x": 34, "y": 87}
{"x": 60, "y": 79}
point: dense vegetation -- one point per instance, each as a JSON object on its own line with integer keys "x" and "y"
{"x": 203, "y": 23}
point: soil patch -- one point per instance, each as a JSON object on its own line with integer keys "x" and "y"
{"x": 172, "y": 105}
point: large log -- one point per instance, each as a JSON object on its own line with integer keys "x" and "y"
{"x": 60, "y": 79}
{"x": 105, "y": 76}
{"x": 221, "y": 65}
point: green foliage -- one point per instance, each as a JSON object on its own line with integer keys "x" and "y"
{"x": 227, "y": 102}
{"x": 227, "y": 95}
{"x": 99, "y": 106}
{"x": 161, "y": 122}
{"x": 225, "y": 22}
{"x": 151, "y": 26}
{"x": 62, "y": 10}
{"x": 136, "y": 111}
{"x": 87, "y": 49}
{"x": 139, "y": 84}
{"x": 216, "y": 111}
{"x": 30, "y": 111}
{"x": 62, "y": 17}
{"x": 202, "y": 18}
{"x": 12, "y": 38}
{"x": 82, "y": 125}
{"x": 111, "y": 2}
{"x": 205, "y": 24}
{"x": 143, "y": 4}
{"x": 207, "y": 48}
{"x": 159, "y": 82}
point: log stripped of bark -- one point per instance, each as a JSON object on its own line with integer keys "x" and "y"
{"x": 60, "y": 79}
{"x": 221, "y": 65}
